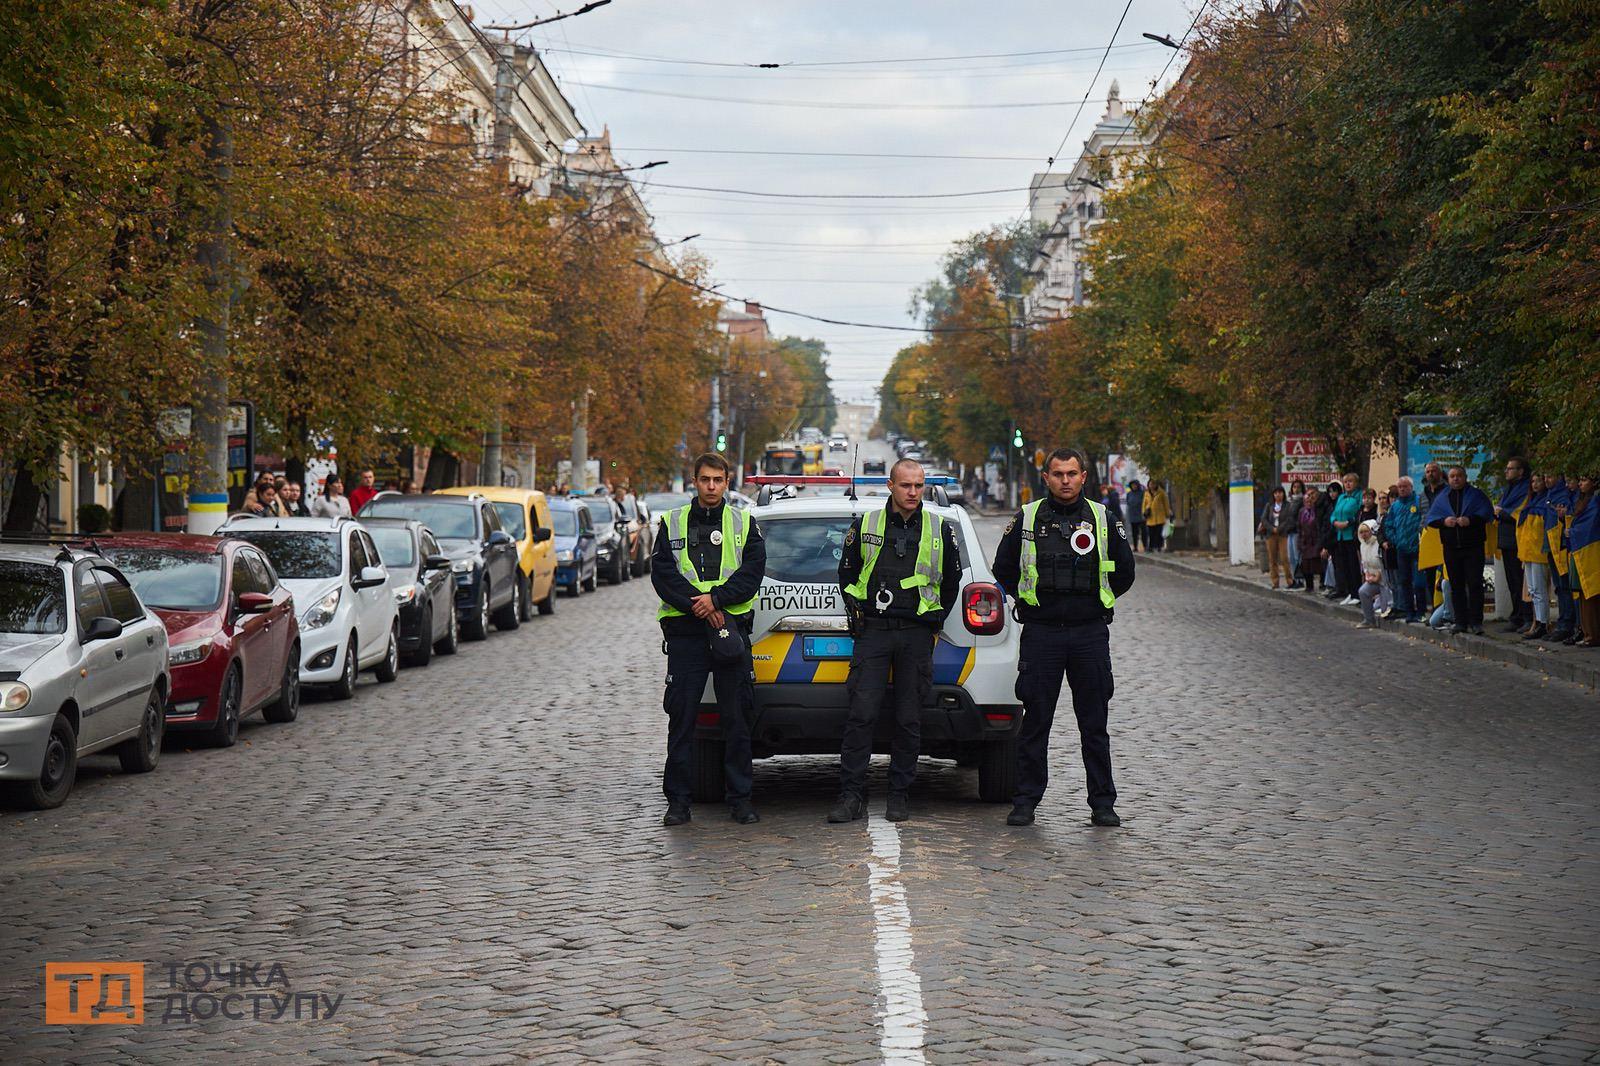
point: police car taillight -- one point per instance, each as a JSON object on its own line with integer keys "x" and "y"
{"x": 983, "y": 608}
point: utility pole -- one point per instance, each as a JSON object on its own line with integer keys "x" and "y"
{"x": 492, "y": 463}
{"x": 716, "y": 407}
{"x": 208, "y": 427}
{"x": 580, "y": 442}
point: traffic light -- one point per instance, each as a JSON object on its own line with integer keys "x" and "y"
{"x": 722, "y": 442}
{"x": 1016, "y": 439}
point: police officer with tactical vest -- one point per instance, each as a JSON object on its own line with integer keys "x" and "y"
{"x": 707, "y": 565}
{"x": 1066, "y": 562}
{"x": 900, "y": 571}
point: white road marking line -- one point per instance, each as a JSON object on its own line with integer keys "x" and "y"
{"x": 903, "y": 1020}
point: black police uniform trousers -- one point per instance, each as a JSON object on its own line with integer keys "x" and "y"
{"x": 906, "y": 647}
{"x": 689, "y": 663}
{"x": 1083, "y": 654}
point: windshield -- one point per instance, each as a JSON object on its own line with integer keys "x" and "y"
{"x": 659, "y": 502}
{"x": 297, "y": 554}
{"x": 448, "y": 520}
{"x": 177, "y": 581}
{"x": 783, "y": 462}
{"x": 33, "y": 599}
{"x": 513, "y": 518}
{"x": 600, "y": 511}
{"x": 395, "y": 547}
{"x": 807, "y": 550}
{"x": 564, "y": 522}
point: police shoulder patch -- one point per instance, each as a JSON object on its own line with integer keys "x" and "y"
{"x": 1122, "y": 531}
{"x": 850, "y": 535}
{"x": 1010, "y": 525}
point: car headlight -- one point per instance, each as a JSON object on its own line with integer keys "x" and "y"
{"x": 14, "y": 695}
{"x": 563, "y": 557}
{"x": 321, "y": 612}
{"x": 192, "y": 652}
{"x": 405, "y": 594}
{"x": 461, "y": 566}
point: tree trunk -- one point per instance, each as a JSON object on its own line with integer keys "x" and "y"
{"x": 22, "y": 509}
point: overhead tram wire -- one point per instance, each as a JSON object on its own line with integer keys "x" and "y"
{"x": 1051, "y": 161}
{"x": 592, "y": 50}
{"x": 807, "y": 315}
{"x": 841, "y": 155}
{"x": 835, "y": 105}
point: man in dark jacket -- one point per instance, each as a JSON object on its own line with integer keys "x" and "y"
{"x": 1460, "y": 515}
{"x": 1506, "y": 513}
{"x": 1066, "y": 562}
{"x": 707, "y": 566}
{"x": 1135, "y": 516}
{"x": 900, "y": 573}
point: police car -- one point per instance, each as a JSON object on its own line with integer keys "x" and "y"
{"x": 801, "y": 646}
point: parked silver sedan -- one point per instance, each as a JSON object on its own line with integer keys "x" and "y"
{"x": 83, "y": 669}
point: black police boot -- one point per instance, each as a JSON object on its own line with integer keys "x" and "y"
{"x": 743, "y": 812}
{"x": 677, "y": 814}
{"x": 1105, "y": 816}
{"x": 848, "y": 809}
{"x": 898, "y": 808}
{"x": 1021, "y": 814}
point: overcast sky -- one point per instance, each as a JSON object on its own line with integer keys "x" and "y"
{"x": 845, "y": 259}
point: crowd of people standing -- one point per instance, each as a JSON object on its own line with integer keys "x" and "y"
{"x": 1394, "y": 552}
{"x": 276, "y": 496}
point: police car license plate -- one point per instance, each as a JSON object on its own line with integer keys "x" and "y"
{"x": 827, "y": 647}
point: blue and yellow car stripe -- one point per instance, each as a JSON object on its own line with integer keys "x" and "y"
{"x": 779, "y": 659}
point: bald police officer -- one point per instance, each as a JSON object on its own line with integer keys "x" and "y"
{"x": 900, "y": 572}
{"x": 1066, "y": 560}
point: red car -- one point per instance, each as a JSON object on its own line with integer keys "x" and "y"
{"x": 231, "y": 627}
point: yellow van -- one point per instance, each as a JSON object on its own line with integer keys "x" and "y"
{"x": 525, "y": 514}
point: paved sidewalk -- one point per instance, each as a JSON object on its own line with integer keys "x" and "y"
{"x": 1578, "y": 665}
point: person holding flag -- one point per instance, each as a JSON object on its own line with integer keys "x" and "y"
{"x": 1557, "y": 499}
{"x": 1583, "y": 539}
{"x": 1508, "y": 513}
{"x": 1462, "y": 514}
{"x": 1534, "y": 554}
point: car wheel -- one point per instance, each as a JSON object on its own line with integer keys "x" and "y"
{"x": 389, "y": 669}
{"x": 477, "y": 627}
{"x": 345, "y": 687}
{"x": 450, "y": 643}
{"x": 509, "y": 617}
{"x": 709, "y": 785}
{"x": 140, "y": 754}
{"x": 636, "y": 568}
{"x": 548, "y": 604}
{"x": 525, "y": 599}
{"x": 577, "y": 584}
{"x": 57, "y": 772}
{"x": 225, "y": 733}
{"x": 997, "y": 771}
{"x": 286, "y": 708}
{"x": 593, "y": 581}
{"x": 619, "y": 570}
{"x": 424, "y": 651}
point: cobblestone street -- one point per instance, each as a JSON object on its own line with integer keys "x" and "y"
{"x": 1336, "y": 846}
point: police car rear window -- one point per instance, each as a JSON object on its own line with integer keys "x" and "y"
{"x": 806, "y": 550}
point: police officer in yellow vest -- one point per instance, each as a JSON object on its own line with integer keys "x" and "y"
{"x": 1066, "y": 562}
{"x": 707, "y": 566}
{"x": 900, "y": 571}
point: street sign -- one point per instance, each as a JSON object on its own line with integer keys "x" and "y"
{"x": 997, "y": 454}
{"x": 1306, "y": 457}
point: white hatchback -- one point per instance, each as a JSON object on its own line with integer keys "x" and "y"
{"x": 348, "y": 618}
{"x": 801, "y": 648}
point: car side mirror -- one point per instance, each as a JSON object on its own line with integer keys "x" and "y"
{"x": 369, "y": 577}
{"x": 499, "y": 537}
{"x": 622, "y": 526}
{"x": 254, "y": 602}
{"x": 102, "y": 628}
{"x": 542, "y": 534}
{"x": 436, "y": 562}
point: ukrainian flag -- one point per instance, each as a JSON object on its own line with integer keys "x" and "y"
{"x": 1585, "y": 541}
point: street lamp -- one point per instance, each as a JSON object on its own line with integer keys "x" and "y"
{"x": 1159, "y": 38}
{"x": 557, "y": 17}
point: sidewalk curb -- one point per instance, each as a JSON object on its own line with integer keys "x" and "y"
{"x": 1575, "y": 671}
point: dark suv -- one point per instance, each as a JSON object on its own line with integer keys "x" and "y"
{"x": 483, "y": 557}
